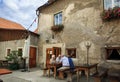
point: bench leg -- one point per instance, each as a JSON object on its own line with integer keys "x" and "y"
{"x": 44, "y": 72}
{"x": 61, "y": 75}
{"x": 69, "y": 77}
{"x": 97, "y": 79}
{"x": 48, "y": 72}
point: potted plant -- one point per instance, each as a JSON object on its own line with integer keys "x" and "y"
{"x": 57, "y": 28}
{"x": 110, "y": 14}
{"x": 14, "y": 58}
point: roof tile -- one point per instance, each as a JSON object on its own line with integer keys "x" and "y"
{"x": 7, "y": 24}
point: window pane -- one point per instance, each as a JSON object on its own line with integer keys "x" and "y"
{"x": 58, "y": 18}
{"x": 107, "y": 4}
{"x": 8, "y": 51}
{"x": 117, "y": 2}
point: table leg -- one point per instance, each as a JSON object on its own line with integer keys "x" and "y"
{"x": 87, "y": 71}
{"x": 77, "y": 75}
{"x": 49, "y": 72}
{"x": 55, "y": 72}
{"x": 96, "y": 69}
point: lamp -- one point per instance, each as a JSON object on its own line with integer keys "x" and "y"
{"x": 87, "y": 45}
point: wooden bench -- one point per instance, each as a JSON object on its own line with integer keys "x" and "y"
{"x": 69, "y": 73}
{"x": 100, "y": 75}
{"x": 61, "y": 72}
{"x": 114, "y": 75}
{"x": 45, "y": 71}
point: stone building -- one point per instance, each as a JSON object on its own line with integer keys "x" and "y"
{"x": 13, "y": 37}
{"x": 83, "y": 26}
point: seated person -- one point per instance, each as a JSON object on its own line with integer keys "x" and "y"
{"x": 64, "y": 60}
{"x": 52, "y": 60}
{"x": 58, "y": 59}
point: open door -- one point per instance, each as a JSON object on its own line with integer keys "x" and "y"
{"x": 50, "y": 51}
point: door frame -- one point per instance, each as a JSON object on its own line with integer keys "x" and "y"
{"x": 45, "y": 46}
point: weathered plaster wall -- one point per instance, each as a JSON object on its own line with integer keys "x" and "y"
{"x": 13, "y": 45}
{"x": 34, "y": 40}
{"x": 82, "y": 22}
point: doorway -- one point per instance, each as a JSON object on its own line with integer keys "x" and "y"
{"x": 32, "y": 58}
{"x": 52, "y": 51}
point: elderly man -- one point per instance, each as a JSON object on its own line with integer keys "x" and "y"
{"x": 64, "y": 60}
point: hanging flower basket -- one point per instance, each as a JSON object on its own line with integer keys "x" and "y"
{"x": 111, "y": 14}
{"x": 57, "y": 28}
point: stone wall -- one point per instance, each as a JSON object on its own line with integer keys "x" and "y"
{"x": 82, "y": 22}
{"x": 13, "y": 45}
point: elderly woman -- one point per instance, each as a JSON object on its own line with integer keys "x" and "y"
{"x": 52, "y": 60}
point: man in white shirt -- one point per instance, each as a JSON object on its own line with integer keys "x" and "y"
{"x": 64, "y": 60}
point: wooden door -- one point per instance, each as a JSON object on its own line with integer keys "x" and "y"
{"x": 50, "y": 51}
{"x": 32, "y": 58}
{"x": 56, "y": 51}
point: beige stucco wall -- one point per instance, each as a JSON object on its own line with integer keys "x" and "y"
{"x": 13, "y": 45}
{"x": 82, "y": 22}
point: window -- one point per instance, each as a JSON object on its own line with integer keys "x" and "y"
{"x": 8, "y": 51}
{"x": 20, "y": 51}
{"x": 111, "y": 3}
{"x": 71, "y": 52}
{"x": 58, "y": 18}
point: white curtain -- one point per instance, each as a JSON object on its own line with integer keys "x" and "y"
{"x": 118, "y": 50}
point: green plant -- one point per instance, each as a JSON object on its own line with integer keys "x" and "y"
{"x": 14, "y": 58}
{"x": 110, "y": 14}
{"x": 57, "y": 28}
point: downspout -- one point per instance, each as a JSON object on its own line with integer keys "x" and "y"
{"x": 38, "y": 58}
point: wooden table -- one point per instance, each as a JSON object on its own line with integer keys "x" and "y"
{"x": 54, "y": 66}
{"x": 86, "y": 68}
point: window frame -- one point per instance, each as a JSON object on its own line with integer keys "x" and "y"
{"x": 8, "y": 52}
{"x": 20, "y": 48}
{"x": 71, "y": 51}
{"x": 59, "y": 22}
{"x": 112, "y": 5}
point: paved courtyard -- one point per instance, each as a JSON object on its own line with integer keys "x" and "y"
{"x": 35, "y": 75}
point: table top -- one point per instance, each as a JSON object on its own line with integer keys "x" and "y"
{"x": 55, "y": 65}
{"x": 87, "y": 66}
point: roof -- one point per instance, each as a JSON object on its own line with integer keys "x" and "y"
{"x": 13, "y": 31}
{"x": 47, "y": 4}
{"x": 7, "y": 24}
